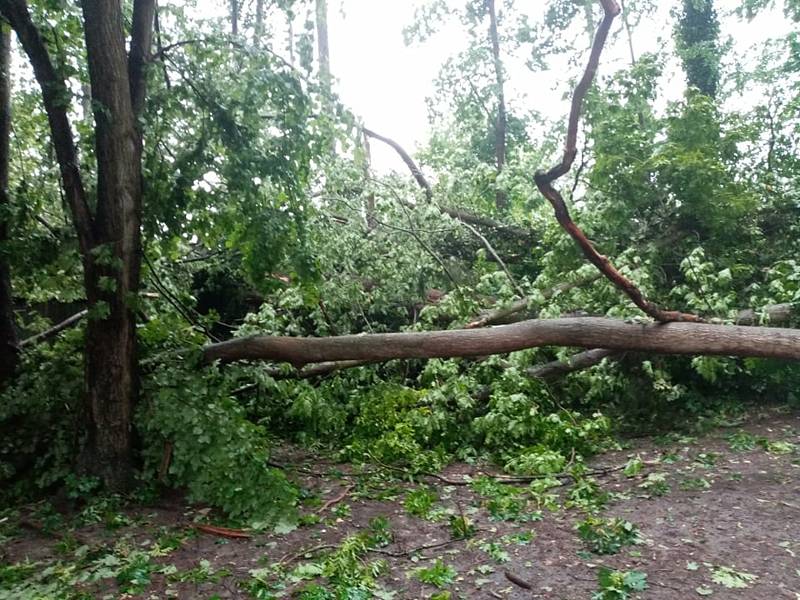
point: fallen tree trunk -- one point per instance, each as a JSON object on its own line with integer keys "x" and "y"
{"x": 584, "y": 332}
{"x": 774, "y": 313}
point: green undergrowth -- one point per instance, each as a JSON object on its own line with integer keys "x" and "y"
{"x": 209, "y": 430}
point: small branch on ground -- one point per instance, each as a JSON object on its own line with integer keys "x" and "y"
{"x": 518, "y": 581}
{"x": 337, "y": 499}
{"x": 225, "y": 532}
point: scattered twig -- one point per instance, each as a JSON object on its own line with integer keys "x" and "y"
{"x": 518, "y": 581}
{"x": 412, "y": 551}
{"x": 289, "y": 559}
{"x": 337, "y": 499}
{"x": 223, "y": 531}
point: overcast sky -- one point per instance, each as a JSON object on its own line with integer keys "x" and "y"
{"x": 386, "y": 82}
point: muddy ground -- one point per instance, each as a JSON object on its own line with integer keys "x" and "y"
{"x": 716, "y": 515}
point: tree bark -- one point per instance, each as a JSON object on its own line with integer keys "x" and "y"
{"x": 112, "y": 267}
{"x": 501, "y": 123}
{"x": 9, "y": 351}
{"x": 773, "y": 314}
{"x": 582, "y": 332}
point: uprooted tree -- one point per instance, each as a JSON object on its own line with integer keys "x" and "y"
{"x": 216, "y": 201}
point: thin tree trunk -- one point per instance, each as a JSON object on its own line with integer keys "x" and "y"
{"x": 369, "y": 204}
{"x": 501, "y": 123}
{"x": 290, "y": 36}
{"x": 9, "y": 352}
{"x": 323, "y": 50}
{"x": 628, "y": 31}
{"x": 234, "y": 17}
{"x": 259, "y": 27}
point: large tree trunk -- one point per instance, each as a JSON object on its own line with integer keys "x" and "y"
{"x": 583, "y": 332}
{"x": 109, "y": 237}
{"x": 112, "y": 267}
{"x": 118, "y": 89}
{"x": 9, "y": 353}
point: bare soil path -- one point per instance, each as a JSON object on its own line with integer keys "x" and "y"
{"x": 713, "y": 516}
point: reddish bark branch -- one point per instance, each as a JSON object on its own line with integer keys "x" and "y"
{"x": 544, "y": 181}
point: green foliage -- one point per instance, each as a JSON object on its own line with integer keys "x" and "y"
{"x": 217, "y": 454}
{"x": 38, "y": 421}
{"x": 655, "y": 484}
{"x": 607, "y": 536}
{"x": 731, "y": 578}
{"x": 419, "y": 502}
{"x": 438, "y": 574}
{"x": 618, "y": 585}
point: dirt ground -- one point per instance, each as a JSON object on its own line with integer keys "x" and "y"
{"x": 717, "y": 516}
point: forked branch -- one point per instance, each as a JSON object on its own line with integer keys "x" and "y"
{"x": 544, "y": 181}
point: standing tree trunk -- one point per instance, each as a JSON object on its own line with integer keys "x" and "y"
{"x": 501, "y": 123}
{"x": 259, "y": 27}
{"x": 109, "y": 237}
{"x": 9, "y": 353}
{"x": 234, "y": 17}
{"x": 112, "y": 266}
{"x": 322, "y": 47}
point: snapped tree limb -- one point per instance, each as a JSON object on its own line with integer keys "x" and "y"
{"x": 544, "y": 181}
{"x": 455, "y": 213}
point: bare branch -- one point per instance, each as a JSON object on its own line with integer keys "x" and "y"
{"x": 54, "y": 330}
{"x": 501, "y": 314}
{"x": 576, "y": 362}
{"x": 544, "y": 182}
{"x": 496, "y": 256}
{"x": 455, "y": 213}
{"x": 412, "y": 166}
